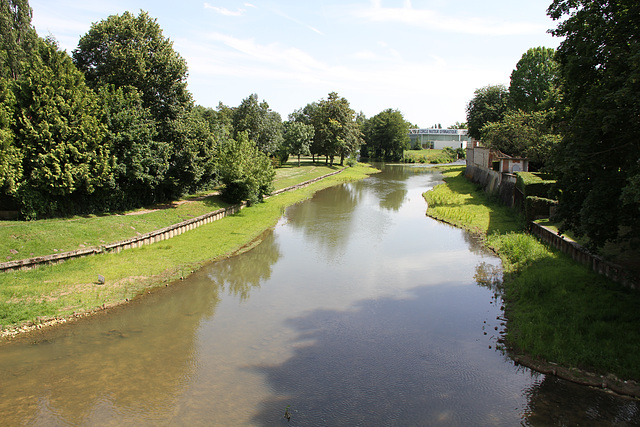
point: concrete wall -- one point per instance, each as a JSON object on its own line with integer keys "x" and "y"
{"x": 493, "y": 182}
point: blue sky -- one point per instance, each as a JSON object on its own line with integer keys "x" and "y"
{"x": 422, "y": 57}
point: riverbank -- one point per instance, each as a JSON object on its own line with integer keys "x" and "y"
{"x": 57, "y": 293}
{"x": 562, "y": 318}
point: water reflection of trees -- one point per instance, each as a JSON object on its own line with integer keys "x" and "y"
{"x": 390, "y": 186}
{"x": 241, "y": 274}
{"x": 328, "y": 218}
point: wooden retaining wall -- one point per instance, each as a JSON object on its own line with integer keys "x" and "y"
{"x": 613, "y": 271}
{"x": 143, "y": 239}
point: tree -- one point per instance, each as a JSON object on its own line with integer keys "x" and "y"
{"x": 523, "y": 134}
{"x": 336, "y": 131}
{"x": 142, "y": 162}
{"x": 10, "y": 154}
{"x": 193, "y": 162}
{"x": 534, "y": 80}
{"x": 598, "y": 160}
{"x": 297, "y": 138}
{"x": 128, "y": 50}
{"x": 488, "y": 105}
{"x": 263, "y": 125}
{"x": 245, "y": 171}
{"x": 18, "y": 37}
{"x": 61, "y": 134}
{"x": 387, "y": 135}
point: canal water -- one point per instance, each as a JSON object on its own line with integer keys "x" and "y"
{"x": 355, "y": 310}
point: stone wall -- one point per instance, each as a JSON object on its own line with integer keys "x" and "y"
{"x": 613, "y": 271}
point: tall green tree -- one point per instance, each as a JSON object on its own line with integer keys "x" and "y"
{"x": 141, "y": 162}
{"x": 245, "y": 171}
{"x": 17, "y": 37}
{"x": 387, "y": 135}
{"x": 522, "y": 134}
{"x": 598, "y": 160}
{"x": 10, "y": 154}
{"x": 128, "y": 50}
{"x": 193, "y": 163}
{"x": 534, "y": 80}
{"x": 489, "y": 104}
{"x": 263, "y": 125}
{"x": 336, "y": 132}
{"x": 297, "y": 138}
{"x": 61, "y": 134}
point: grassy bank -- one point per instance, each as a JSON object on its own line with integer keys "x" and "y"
{"x": 431, "y": 156}
{"x": 62, "y": 289}
{"x": 26, "y": 239}
{"x": 557, "y": 310}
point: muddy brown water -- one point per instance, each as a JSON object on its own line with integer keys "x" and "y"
{"x": 356, "y": 309}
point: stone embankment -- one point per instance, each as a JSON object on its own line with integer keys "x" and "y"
{"x": 143, "y": 239}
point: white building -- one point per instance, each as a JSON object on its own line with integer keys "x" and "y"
{"x": 439, "y": 138}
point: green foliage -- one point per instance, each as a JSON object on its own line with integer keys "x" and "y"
{"x": 598, "y": 160}
{"x": 533, "y": 82}
{"x": 263, "y": 125}
{"x": 10, "y": 154}
{"x": 523, "y": 134}
{"x": 297, "y": 138}
{"x": 387, "y": 135}
{"x": 128, "y": 50}
{"x": 534, "y": 184}
{"x": 193, "y": 162}
{"x": 245, "y": 171}
{"x": 489, "y": 104}
{"x": 17, "y": 39}
{"x": 141, "y": 161}
{"x": 61, "y": 135}
{"x": 538, "y": 207}
{"x": 336, "y": 132}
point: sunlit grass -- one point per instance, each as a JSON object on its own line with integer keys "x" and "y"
{"x": 557, "y": 310}
{"x": 461, "y": 203}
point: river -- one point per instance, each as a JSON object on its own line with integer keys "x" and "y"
{"x": 356, "y": 309}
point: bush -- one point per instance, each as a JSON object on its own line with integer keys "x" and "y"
{"x": 537, "y": 207}
{"x": 534, "y": 184}
{"x": 245, "y": 171}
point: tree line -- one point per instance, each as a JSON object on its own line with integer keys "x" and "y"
{"x": 113, "y": 126}
{"x": 575, "y": 113}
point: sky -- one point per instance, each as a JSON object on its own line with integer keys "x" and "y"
{"x": 424, "y": 58}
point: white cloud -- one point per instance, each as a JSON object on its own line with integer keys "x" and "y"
{"x": 434, "y": 20}
{"x": 226, "y": 12}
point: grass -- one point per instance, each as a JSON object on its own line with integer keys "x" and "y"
{"x": 461, "y": 203}
{"x": 26, "y": 239}
{"x": 557, "y": 310}
{"x": 60, "y": 290}
{"x": 428, "y": 156}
